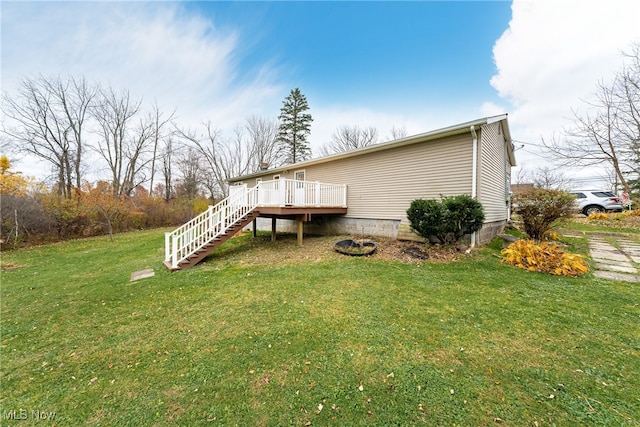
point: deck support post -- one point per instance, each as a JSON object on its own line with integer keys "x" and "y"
{"x": 273, "y": 229}
{"x": 255, "y": 227}
{"x": 300, "y": 224}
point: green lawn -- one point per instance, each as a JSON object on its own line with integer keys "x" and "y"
{"x": 268, "y": 334}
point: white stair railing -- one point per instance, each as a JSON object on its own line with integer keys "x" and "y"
{"x": 186, "y": 240}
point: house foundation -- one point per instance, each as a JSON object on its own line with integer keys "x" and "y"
{"x": 387, "y": 228}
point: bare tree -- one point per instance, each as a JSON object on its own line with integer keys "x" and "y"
{"x": 264, "y": 149}
{"x": 137, "y": 157}
{"x": 397, "y": 133}
{"x": 550, "y": 178}
{"x": 250, "y": 148}
{"x": 123, "y": 141}
{"x": 543, "y": 177}
{"x": 190, "y": 170}
{"x": 347, "y": 138}
{"x": 76, "y": 98}
{"x": 521, "y": 176}
{"x": 234, "y": 156}
{"x": 159, "y": 125}
{"x": 595, "y": 138}
{"x": 167, "y": 160}
{"x": 210, "y": 147}
{"x": 47, "y": 119}
{"x": 609, "y": 130}
{"x": 629, "y": 94}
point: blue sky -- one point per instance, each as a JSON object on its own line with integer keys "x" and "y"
{"x": 418, "y": 65}
{"x": 372, "y": 53}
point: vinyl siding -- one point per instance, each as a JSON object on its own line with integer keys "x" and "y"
{"x": 383, "y": 179}
{"x": 493, "y": 175}
{"x": 381, "y": 185}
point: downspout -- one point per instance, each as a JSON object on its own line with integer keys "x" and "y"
{"x": 507, "y": 183}
{"x": 474, "y": 175}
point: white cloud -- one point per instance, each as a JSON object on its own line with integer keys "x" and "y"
{"x": 491, "y": 109}
{"x": 157, "y": 51}
{"x": 154, "y": 50}
{"x": 553, "y": 55}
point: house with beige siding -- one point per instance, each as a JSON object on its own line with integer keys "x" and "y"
{"x": 473, "y": 158}
{"x": 368, "y": 190}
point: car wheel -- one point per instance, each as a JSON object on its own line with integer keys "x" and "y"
{"x": 588, "y": 210}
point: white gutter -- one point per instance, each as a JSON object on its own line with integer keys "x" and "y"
{"x": 474, "y": 174}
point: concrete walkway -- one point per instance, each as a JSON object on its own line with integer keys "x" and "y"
{"x": 613, "y": 263}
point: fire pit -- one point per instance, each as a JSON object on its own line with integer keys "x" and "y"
{"x": 354, "y": 248}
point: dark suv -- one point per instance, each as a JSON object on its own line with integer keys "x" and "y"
{"x": 593, "y": 201}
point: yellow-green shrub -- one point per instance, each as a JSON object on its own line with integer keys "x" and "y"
{"x": 544, "y": 257}
{"x": 627, "y": 213}
{"x": 552, "y": 235}
{"x": 598, "y": 216}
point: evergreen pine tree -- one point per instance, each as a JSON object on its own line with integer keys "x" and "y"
{"x": 295, "y": 126}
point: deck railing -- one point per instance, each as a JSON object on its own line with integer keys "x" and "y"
{"x": 216, "y": 220}
{"x": 288, "y": 192}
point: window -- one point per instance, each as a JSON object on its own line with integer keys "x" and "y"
{"x": 299, "y": 176}
{"x": 603, "y": 194}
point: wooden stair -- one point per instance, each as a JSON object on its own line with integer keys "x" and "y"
{"x": 214, "y": 243}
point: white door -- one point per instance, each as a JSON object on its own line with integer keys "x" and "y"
{"x": 299, "y": 188}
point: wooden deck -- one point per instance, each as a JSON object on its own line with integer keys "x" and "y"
{"x": 287, "y": 199}
{"x": 295, "y": 211}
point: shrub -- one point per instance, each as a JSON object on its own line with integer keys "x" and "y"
{"x": 628, "y": 213}
{"x": 23, "y": 220}
{"x": 598, "y": 216}
{"x": 448, "y": 220}
{"x": 621, "y": 220}
{"x": 539, "y": 208}
{"x": 552, "y": 235}
{"x": 426, "y": 217}
{"x": 200, "y": 204}
{"x": 464, "y": 215}
{"x": 544, "y": 257}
